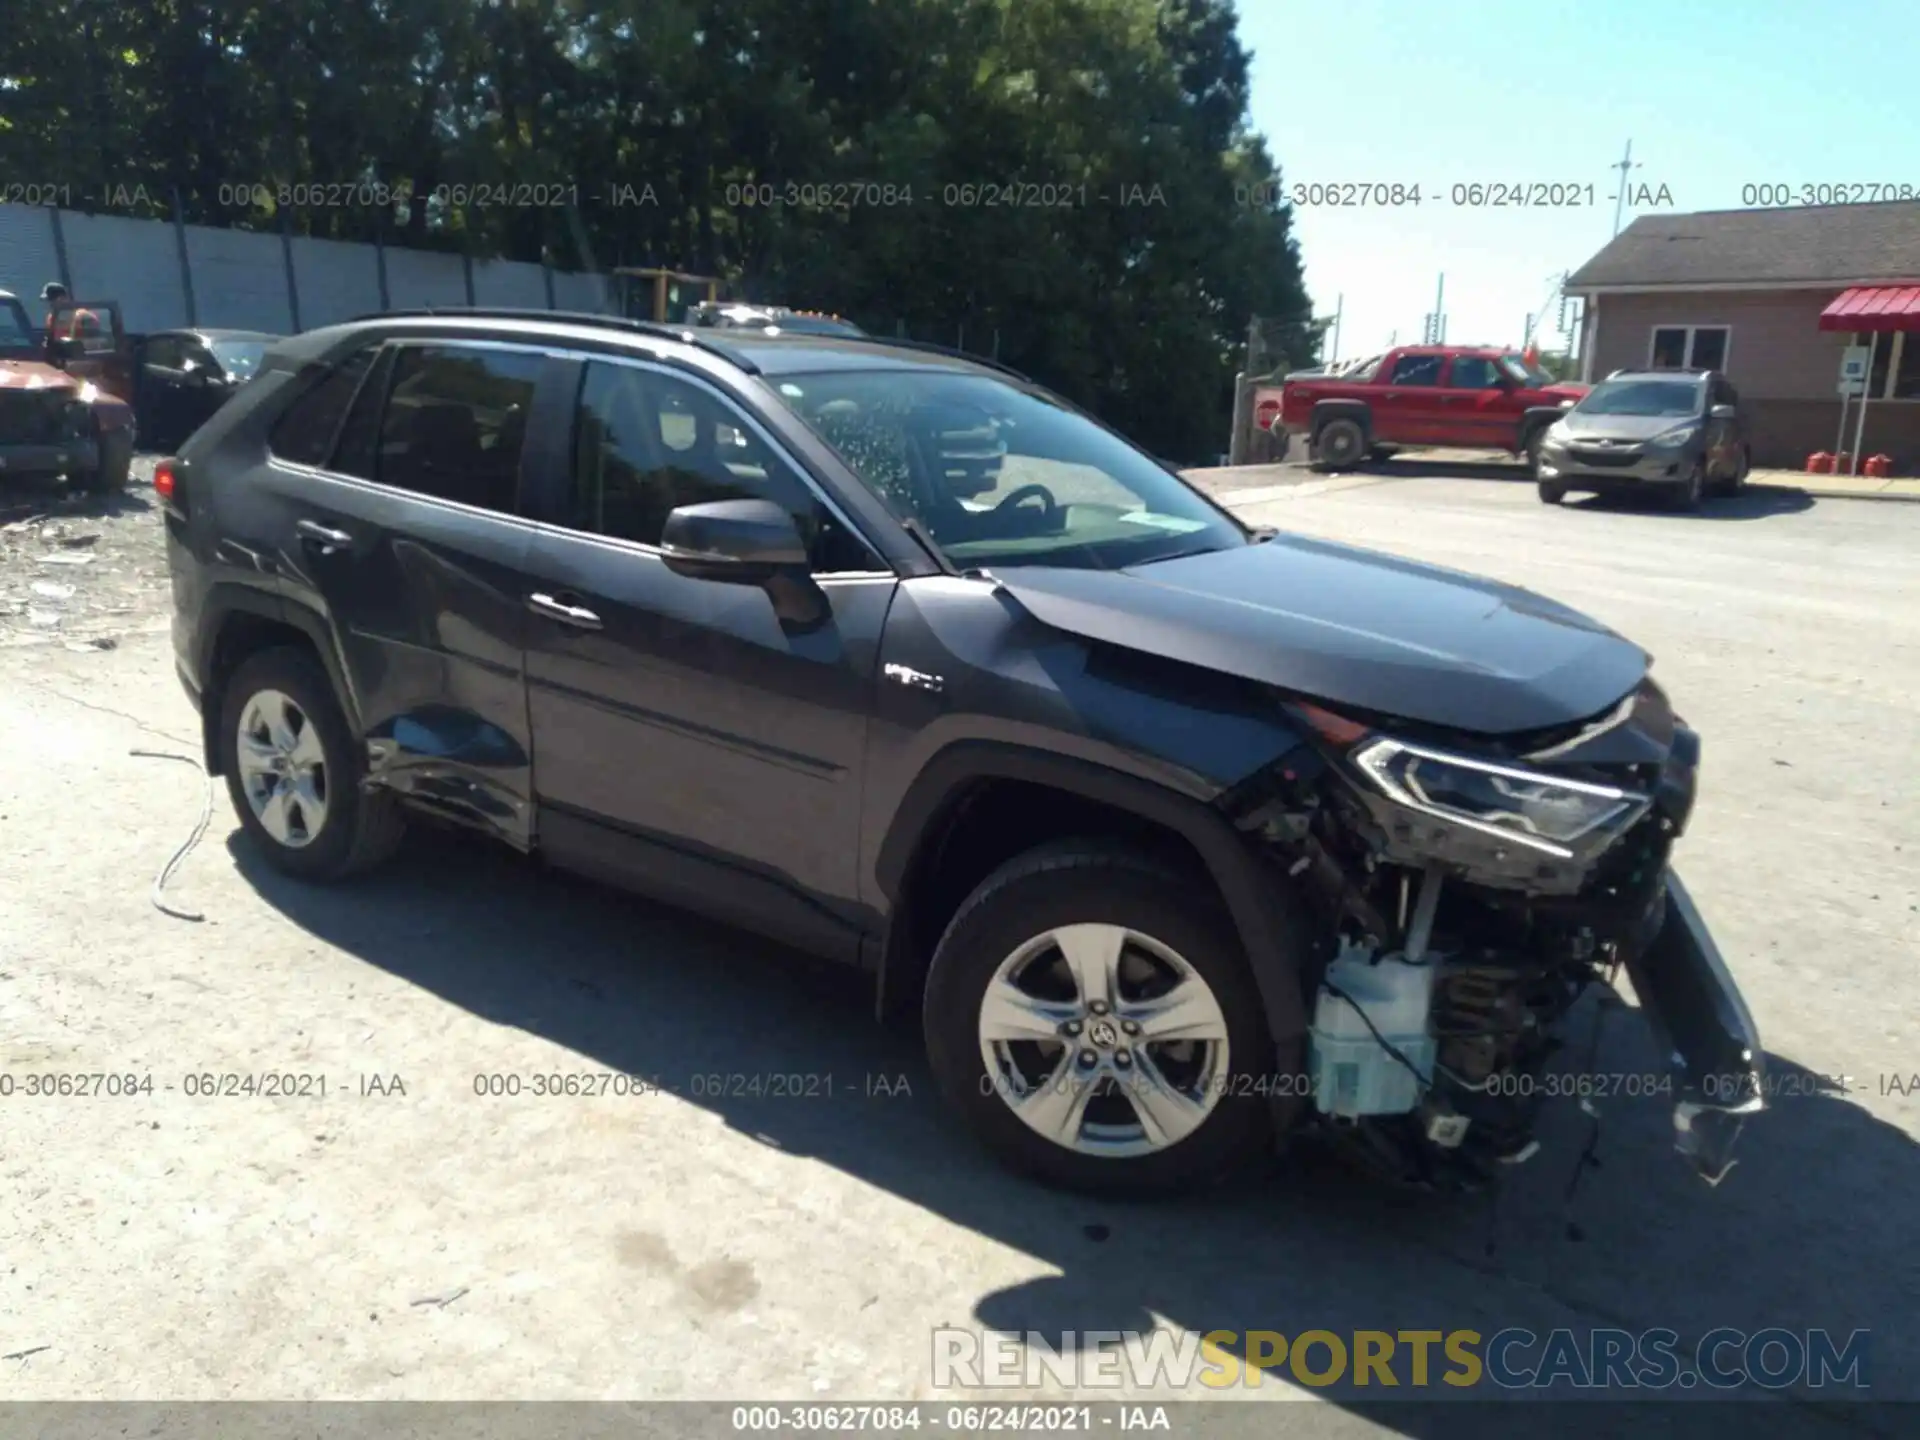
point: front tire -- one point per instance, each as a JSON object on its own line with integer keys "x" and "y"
{"x": 1552, "y": 492}
{"x": 1685, "y": 496}
{"x": 1094, "y": 1021}
{"x": 109, "y": 476}
{"x": 294, "y": 771}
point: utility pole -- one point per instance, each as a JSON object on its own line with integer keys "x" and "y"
{"x": 1627, "y": 163}
{"x": 1339, "y": 305}
{"x": 1436, "y": 329}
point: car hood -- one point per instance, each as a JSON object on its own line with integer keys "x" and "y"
{"x": 1621, "y": 427}
{"x": 33, "y": 375}
{"x": 1352, "y": 628}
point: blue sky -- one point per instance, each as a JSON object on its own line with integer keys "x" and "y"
{"x": 1716, "y": 95}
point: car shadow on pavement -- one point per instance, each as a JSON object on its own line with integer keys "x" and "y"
{"x": 1809, "y": 1231}
{"x": 1421, "y": 469}
{"x": 1754, "y": 503}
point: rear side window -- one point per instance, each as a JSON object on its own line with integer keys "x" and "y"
{"x": 455, "y": 423}
{"x": 304, "y": 432}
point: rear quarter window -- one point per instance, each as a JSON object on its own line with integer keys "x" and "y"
{"x": 305, "y": 431}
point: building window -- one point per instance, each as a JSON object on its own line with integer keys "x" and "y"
{"x": 1906, "y": 367}
{"x": 1689, "y": 347}
{"x": 1896, "y": 364}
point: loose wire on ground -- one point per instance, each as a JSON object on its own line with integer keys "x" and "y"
{"x": 158, "y": 894}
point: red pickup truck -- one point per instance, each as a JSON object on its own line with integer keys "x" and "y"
{"x": 1462, "y": 397}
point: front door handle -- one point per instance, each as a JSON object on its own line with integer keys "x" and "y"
{"x": 327, "y": 539}
{"x": 556, "y": 608}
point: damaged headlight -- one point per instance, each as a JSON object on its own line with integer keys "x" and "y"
{"x": 1544, "y": 812}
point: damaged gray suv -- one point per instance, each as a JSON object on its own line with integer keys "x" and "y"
{"x": 1177, "y": 835}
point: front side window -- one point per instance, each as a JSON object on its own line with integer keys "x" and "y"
{"x": 647, "y": 443}
{"x": 304, "y": 432}
{"x": 1675, "y": 398}
{"x": 92, "y": 328}
{"x": 998, "y": 475}
{"x": 1417, "y": 370}
{"x": 1474, "y": 372}
{"x": 455, "y": 421}
{"x": 164, "y": 351}
{"x": 1524, "y": 371}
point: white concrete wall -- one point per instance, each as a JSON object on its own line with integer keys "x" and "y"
{"x": 240, "y": 276}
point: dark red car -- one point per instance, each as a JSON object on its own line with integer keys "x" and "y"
{"x": 64, "y": 401}
{"x": 1446, "y": 396}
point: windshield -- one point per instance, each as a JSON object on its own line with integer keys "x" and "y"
{"x": 1517, "y": 366}
{"x": 1000, "y": 476}
{"x": 17, "y": 332}
{"x": 1643, "y": 397}
{"x": 240, "y": 357}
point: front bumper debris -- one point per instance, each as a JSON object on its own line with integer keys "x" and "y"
{"x": 1699, "y": 1018}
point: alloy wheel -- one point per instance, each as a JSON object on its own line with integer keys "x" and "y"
{"x": 1104, "y": 1040}
{"x": 283, "y": 768}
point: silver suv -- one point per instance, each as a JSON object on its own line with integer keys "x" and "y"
{"x": 1678, "y": 433}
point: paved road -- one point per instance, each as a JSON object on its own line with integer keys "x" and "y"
{"x": 439, "y": 1244}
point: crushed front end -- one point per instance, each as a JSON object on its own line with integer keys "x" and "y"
{"x": 1468, "y": 893}
{"x": 46, "y": 427}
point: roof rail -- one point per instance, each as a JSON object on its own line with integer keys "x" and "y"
{"x": 685, "y": 334}
{"x": 934, "y": 349}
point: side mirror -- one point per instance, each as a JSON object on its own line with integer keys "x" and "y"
{"x": 744, "y": 542}
{"x": 1723, "y": 412}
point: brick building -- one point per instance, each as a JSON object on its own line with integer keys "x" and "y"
{"x": 1771, "y": 297}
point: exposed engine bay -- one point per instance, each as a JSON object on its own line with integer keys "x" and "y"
{"x": 1466, "y": 897}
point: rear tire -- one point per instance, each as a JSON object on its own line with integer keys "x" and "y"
{"x": 1201, "y": 1109}
{"x": 330, "y": 827}
{"x": 1340, "y": 445}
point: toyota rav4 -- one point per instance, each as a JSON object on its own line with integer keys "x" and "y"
{"x": 1178, "y": 835}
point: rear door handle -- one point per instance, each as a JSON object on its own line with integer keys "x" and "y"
{"x": 558, "y": 608}
{"x": 320, "y": 535}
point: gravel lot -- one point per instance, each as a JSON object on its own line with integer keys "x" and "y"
{"x": 418, "y": 1241}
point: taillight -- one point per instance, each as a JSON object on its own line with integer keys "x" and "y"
{"x": 163, "y": 480}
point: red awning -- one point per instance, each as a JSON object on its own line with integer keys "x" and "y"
{"x": 1874, "y": 307}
